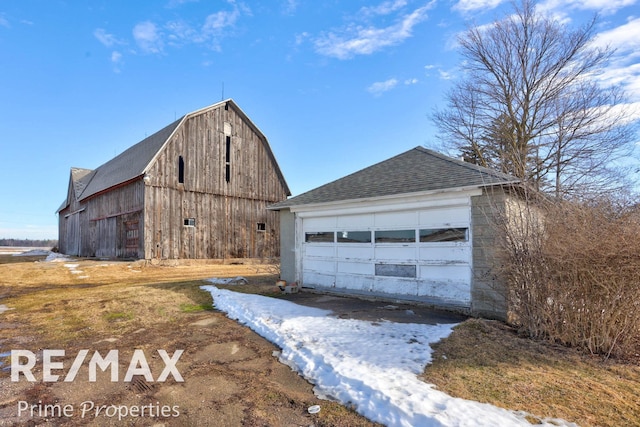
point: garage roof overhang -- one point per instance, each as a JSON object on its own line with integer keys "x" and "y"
{"x": 396, "y": 202}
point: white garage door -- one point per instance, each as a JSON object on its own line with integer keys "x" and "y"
{"x": 424, "y": 253}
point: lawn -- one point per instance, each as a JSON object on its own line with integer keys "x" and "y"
{"x": 230, "y": 373}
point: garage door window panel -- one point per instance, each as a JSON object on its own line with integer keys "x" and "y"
{"x": 319, "y": 237}
{"x": 354, "y": 237}
{"x": 395, "y": 236}
{"x": 438, "y": 235}
{"x": 396, "y": 270}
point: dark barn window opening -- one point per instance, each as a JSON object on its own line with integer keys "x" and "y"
{"x": 228, "y": 160}
{"x": 180, "y": 170}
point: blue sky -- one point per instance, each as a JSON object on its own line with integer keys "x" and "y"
{"x": 335, "y": 85}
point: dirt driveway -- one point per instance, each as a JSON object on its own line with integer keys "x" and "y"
{"x": 231, "y": 376}
{"x": 374, "y": 310}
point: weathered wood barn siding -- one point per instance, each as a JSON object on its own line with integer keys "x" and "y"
{"x": 226, "y": 205}
{"x": 72, "y": 218}
{"x": 196, "y": 189}
{"x": 115, "y": 223}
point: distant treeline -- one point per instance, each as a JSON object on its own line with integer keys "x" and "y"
{"x": 29, "y": 243}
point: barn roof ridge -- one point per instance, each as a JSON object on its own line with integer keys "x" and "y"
{"x": 414, "y": 171}
{"x": 136, "y": 160}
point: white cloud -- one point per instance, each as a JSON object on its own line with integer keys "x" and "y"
{"x": 4, "y": 22}
{"x": 177, "y": 3}
{"x": 626, "y": 36}
{"x": 466, "y": 6}
{"x": 624, "y": 68}
{"x": 152, "y": 37}
{"x": 445, "y": 75}
{"x": 290, "y": 6}
{"x": 181, "y": 32}
{"x": 411, "y": 81}
{"x": 300, "y": 38}
{"x": 105, "y": 38}
{"x": 365, "y": 40}
{"x": 148, "y": 37}
{"x": 117, "y": 61}
{"x": 216, "y": 22}
{"x": 379, "y": 88}
{"x": 601, "y": 6}
{"x": 384, "y": 8}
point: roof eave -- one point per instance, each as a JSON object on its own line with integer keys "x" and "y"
{"x": 391, "y": 197}
{"x": 113, "y": 187}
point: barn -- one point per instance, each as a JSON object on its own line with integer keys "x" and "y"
{"x": 413, "y": 227}
{"x": 196, "y": 189}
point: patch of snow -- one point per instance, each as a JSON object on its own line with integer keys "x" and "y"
{"x": 373, "y": 367}
{"x": 228, "y": 281}
{"x": 34, "y": 252}
{"x": 55, "y": 257}
{"x": 4, "y": 308}
{"x": 71, "y": 266}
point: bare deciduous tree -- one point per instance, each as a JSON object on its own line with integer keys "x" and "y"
{"x": 530, "y": 104}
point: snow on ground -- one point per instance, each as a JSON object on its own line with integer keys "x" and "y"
{"x": 228, "y": 281}
{"x": 370, "y": 365}
{"x": 56, "y": 257}
{"x": 33, "y": 252}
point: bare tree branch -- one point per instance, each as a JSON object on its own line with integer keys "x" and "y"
{"x": 530, "y": 105}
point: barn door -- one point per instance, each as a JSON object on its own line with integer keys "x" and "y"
{"x": 73, "y": 234}
{"x": 131, "y": 239}
{"x": 106, "y": 237}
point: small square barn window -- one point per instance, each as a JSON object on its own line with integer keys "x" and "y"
{"x": 354, "y": 236}
{"x": 190, "y": 222}
{"x": 444, "y": 235}
{"x": 262, "y": 226}
{"x": 319, "y": 237}
{"x": 395, "y": 236}
{"x": 395, "y": 270}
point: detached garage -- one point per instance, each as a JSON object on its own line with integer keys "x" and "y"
{"x": 413, "y": 227}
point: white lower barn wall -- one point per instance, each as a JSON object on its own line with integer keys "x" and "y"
{"x": 439, "y": 272}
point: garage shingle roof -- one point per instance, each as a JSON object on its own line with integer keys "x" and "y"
{"x": 416, "y": 170}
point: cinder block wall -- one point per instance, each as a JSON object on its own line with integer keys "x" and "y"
{"x": 287, "y": 246}
{"x": 488, "y": 294}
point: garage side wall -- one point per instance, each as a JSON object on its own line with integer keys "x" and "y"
{"x": 488, "y": 293}
{"x": 287, "y": 246}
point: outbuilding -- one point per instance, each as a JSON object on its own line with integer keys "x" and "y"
{"x": 196, "y": 189}
{"x": 417, "y": 226}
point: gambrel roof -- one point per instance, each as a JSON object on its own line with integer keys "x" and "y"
{"x": 134, "y": 162}
{"x": 414, "y": 171}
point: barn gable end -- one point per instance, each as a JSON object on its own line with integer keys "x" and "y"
{"x": 197, "y": 189}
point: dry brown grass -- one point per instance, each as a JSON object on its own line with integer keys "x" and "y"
{"x": 482, "y": 360}
{"x": 488, "y": 362}
{"x": 107, "y": 297}
{"x": 133, "y": 305}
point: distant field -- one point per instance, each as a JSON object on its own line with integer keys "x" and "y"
{"x": 12, "y": 250}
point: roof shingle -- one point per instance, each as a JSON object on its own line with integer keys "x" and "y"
{"x": 416, "y": 170}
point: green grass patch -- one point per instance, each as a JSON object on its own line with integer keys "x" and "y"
{"x": 195, "y": 308}
{"x": 117, "y": 316}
